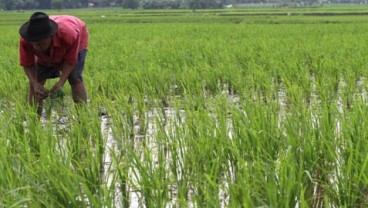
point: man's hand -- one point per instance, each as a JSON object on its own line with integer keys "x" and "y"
{"x": 58, "y": 85}
{"x": 40, "y": 91}
{"x": 65, "y": 72}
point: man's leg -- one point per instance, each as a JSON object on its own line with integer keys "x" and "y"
{"x": 79, "y": 92}
{"x": 75, "y": 79}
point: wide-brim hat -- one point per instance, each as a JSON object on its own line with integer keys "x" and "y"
{"x": 39, "y": 27}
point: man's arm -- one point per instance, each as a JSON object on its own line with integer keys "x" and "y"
{"x": 31, "y": 74}
{"x": 32, "y": 77}
{"x": 65, "y": 72}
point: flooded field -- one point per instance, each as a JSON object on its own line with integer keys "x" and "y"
{"x": 214, "y": 111}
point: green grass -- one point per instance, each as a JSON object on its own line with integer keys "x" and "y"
{"x": 240, "y": 108}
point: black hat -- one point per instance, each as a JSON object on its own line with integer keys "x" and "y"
{"x": 39, "y": 27}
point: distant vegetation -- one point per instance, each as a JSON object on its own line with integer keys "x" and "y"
{"x": 165, "y": 4}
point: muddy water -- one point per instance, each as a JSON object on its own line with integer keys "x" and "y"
{"x": 111, "y": 145}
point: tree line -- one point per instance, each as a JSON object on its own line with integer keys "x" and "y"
{"x": 145, "y": 4}
{"x": 129, "y": 4}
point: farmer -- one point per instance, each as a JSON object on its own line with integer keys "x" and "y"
{"x": 50, "y": 47}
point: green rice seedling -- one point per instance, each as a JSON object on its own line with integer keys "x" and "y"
{"x": 13, "y": 188}
{"x": 122, "y": 168}
{"x": 191, "y": 84}
{"x": 327, "y": 89}
{"x": 350, "y": 188}
{"x": 172, "y": 153}
{"x": 54, "y": 102}
{"x": 122, "y": 137}
{"x": 295, "y": 96}
{"x": 207, "y": 137}
{"x": 300, "y": 152}
{"x": 87, "y": 148}
{"x": 349, "y": 87}
{"x": 142, "y": 118}
{"x": 32, "y": 165}
{"x": 265, "y": 141}
{"x": 55, "y": 192}
{"x": 151, "y": 178}
{"x": 318, "y": 142}
{"x": 159, "y": 83}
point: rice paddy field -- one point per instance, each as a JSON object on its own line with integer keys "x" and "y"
{"x": 217, "y": 108}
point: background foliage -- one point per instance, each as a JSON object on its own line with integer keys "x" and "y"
{"x": 161, "y": 4}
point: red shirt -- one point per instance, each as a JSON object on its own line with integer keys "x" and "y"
{"x": 67, "y": 42}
